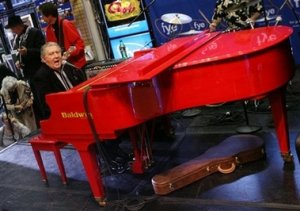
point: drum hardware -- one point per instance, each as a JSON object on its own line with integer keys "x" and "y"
{"x": 291, "y": 7}
{"x": 250, "y": 22}
{"x": 203, "y": 15}
{"x": 278, "y": 19}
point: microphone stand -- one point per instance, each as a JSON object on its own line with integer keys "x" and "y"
{"x": 143, "y": 10}
{"x": 265, "y": 15}
{"x": 291, "y": 7}
{"x": 246, "y": 129}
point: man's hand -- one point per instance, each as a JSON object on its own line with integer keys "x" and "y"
{"x": 18, "y": 65}
{"x": 22, "y": 50}
{"x": 29, "y": 103}
{"x": 212, "y": 27}
{"x": 18, "y": 107}
{"x": 67, "y": 53}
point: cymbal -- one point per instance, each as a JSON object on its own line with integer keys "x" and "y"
{"x": 176, "y": 18}
{"x": 242, "y": 4}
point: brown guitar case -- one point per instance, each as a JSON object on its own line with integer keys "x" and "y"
{"x": 224, "y": 158}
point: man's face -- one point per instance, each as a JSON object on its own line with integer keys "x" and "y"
{"x": 53, "y": 57}
{"x": 17, "y": 29}
{"x": 49, "y": 20}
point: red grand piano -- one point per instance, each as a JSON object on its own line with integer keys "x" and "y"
{"x": 186, "y": 72}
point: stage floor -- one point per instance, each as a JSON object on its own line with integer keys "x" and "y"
{"x": 265, "y": 184}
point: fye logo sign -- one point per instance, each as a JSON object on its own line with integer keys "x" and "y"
{"x": 170, "y": 30}
{"x": 199, "y": 25}
{"x": 270, "y": 12}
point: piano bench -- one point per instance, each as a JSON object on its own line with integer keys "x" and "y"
{"x": 38, "y": 144}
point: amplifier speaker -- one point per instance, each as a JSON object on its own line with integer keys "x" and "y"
{"x": 94, "y": 68}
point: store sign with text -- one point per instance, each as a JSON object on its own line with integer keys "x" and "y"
{"x": 122, "y": 10}
{"x": 123, "y": 17}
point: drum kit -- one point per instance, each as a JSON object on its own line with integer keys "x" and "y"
{"x": 180, "y": 18}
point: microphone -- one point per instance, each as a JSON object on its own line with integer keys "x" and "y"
{"x": 65, "y": 62}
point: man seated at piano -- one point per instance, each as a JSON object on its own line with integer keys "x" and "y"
{"x": 54, "y": 75}
{"x": 237, "y": 14}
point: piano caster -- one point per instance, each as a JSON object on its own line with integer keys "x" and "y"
{"x": 101, "y": 201}
{"x": 287, "y": 157}
{"x": 45, "y": 181}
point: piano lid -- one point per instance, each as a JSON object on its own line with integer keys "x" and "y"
{"x": 152, "y": 63}
{"x": 234, "y": 44}
{"x": 202, "y": 48}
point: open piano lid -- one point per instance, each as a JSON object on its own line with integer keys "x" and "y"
{"x": 191, "y": 50}
{"x": 152, "y": 63}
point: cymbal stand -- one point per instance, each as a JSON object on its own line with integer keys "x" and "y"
{"x": 291, "y": 7}
{"x": 245, "y": 129}
{"x": 264, "y": 11}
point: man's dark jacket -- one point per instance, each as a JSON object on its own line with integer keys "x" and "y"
{"x": 46, "y": 82}
{"x": 33, "y": 42}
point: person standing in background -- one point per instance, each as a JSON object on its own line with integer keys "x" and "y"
{"x": 28, "y": 43}
{"x": 64, "y": 33}
{"x": 238, "y": 14}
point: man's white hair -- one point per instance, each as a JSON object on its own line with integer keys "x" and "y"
{"x": 45, "y": 46}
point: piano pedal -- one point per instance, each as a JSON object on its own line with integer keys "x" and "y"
{"x": 191, "y": 112}
{"x": 122, "y": 164}
{"x": 118, "y": 167}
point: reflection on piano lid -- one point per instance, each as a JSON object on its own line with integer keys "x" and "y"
{"x": 190, "y": 32}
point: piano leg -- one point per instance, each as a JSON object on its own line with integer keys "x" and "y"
{"x": 92, "y": 169}
{"x": 39, "y": 160}
{"x": 278, "y": 105}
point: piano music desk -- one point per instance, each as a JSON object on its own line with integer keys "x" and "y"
{"x": 39, "y": 144}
